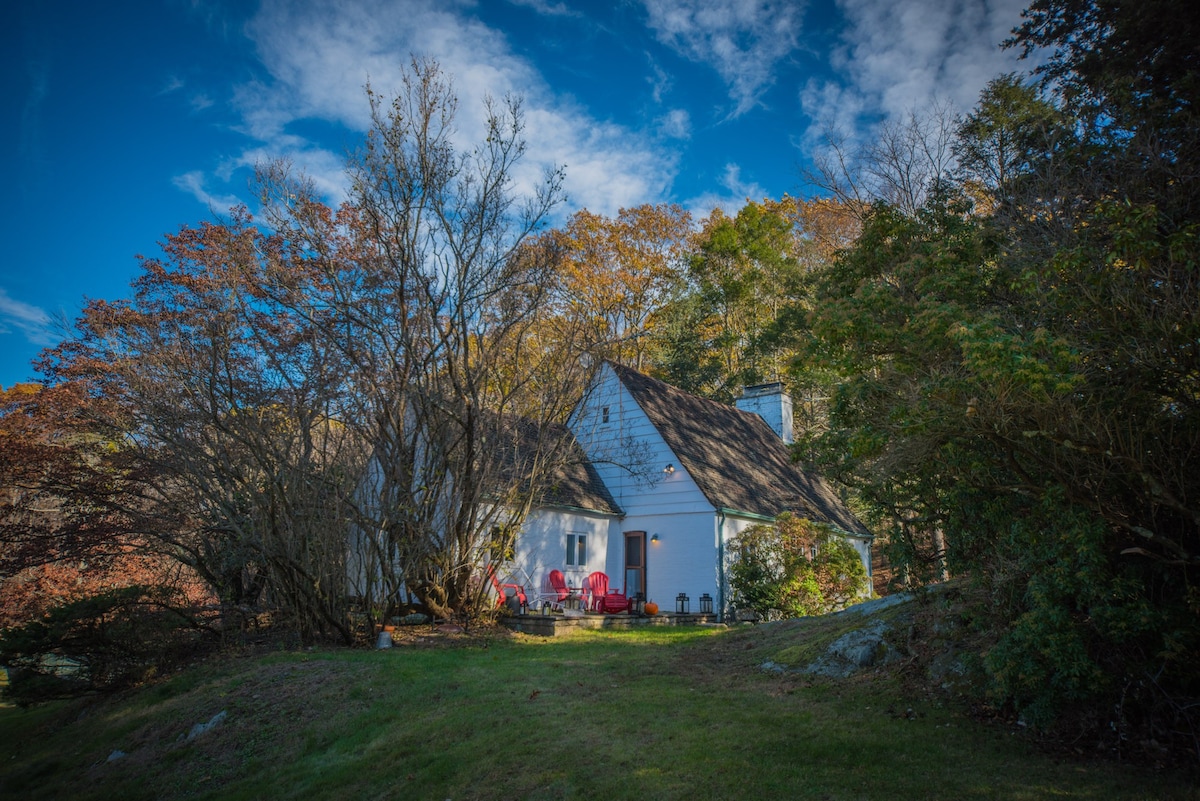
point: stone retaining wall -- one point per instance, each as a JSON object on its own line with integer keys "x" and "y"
{"x": 559, "y": 625}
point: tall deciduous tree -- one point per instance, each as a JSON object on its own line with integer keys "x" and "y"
{"x": 618, "y": 273}
{"x": 227, "y": 403}
{"x": 449, "y": 381}
{"x": 903, "y": 164}
{"x": 740, "y": 318}
{"x": 357, "y": 404}
{"x": 742, "y": 272}
{"x": 353, "y": 403}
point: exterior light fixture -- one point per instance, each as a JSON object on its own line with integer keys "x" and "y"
{"x": 683, "y": 604}
{"x": 654, "y": 539}
{"x": 669, "y": 469}
{"x": 706, "y": 604}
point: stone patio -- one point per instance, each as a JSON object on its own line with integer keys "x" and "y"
{"x": 560, "y": 625}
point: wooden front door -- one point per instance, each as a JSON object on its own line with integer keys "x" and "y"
{"x": 635, "y": 563}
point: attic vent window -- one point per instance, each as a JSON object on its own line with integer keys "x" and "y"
{"x": 604, "y": 414}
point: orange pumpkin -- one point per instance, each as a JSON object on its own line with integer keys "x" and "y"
{"x": 651, "y": 608}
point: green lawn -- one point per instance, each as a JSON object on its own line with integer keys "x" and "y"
{"x": 652, "y": 714}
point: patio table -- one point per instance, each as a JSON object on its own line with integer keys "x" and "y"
{"x": 573, "y": 604}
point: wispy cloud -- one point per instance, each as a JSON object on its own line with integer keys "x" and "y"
{"x": 320, "y": 54}
{"x": 32, "y": 322}
{"x": 30, "y": 146}
{"x": 896, "y": 56}
{"x": 194, "y": 184}
{"x": 173, "y": 84}
{"x": 736, "y": 194}
{"x": 660, "y": 83}
{"x": 743, "y": 40}
{"x": 546, "y": 7}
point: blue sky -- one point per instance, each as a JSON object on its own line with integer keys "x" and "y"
{"x": 123, "y": 121}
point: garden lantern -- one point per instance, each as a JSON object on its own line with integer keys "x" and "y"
{"x": 706, "y": 604}
{"x": 683, "y": 604}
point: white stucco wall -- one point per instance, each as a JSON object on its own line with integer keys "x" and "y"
{"x": 542, "y": 546}
{"x": 684, "y": 559}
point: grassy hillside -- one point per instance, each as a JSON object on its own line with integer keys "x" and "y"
{"x": 656, "y": 714}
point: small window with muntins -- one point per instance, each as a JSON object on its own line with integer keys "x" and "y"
{"x": 576, "y": 550}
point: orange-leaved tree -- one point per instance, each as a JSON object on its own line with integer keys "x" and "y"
{"x": 618, "y": 273}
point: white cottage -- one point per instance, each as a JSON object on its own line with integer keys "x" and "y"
{"x": 667, "y": 480}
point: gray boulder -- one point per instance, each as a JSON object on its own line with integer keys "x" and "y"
{"x": 854, "y": 651}
{"x": 204, "y": 728}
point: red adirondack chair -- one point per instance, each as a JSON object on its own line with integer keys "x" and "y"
{"x": 596, "y": 588}
{"x": 501, "y": 587}
{"x": 554, "y": 591}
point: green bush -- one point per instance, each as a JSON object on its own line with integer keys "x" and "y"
{"x": 97, "y": 643}
{"x": 1092, "y": 640}
{"x": 795, "y": 567}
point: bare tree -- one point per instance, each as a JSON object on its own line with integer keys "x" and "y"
{"x": 434, "y": 298}
{"x": 361, "y": 402}
{"x": 905, "y": 163}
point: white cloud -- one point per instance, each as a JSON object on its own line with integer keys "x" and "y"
{"x": 734, "y": 198}
{"x": 320, "y": 54}
{"x": 660, "y": 84}
{"x": 897, "y": 56}
{"x": 34, "y": 323}
{"x": 174, "y": 83}
{"x": 743, "y": 40}
{"x": 194, "y": 184}
{"x": 326, "y": 169}
{"x": 607, "y": 167}
{"x": 546, "y": 8}
{"x": 676, "y": 124}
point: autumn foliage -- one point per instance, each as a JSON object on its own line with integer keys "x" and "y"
{"x": 72, "y": 523}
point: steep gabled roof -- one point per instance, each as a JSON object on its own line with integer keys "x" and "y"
{"x": 576, "y": 484}
{"x": 573, "y": 482}
{"x": 734, "y": 457}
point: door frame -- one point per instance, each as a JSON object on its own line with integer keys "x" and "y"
{"x": 638, "y": 538}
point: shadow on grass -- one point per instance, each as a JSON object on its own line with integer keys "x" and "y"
{"x": 656, "y": 713}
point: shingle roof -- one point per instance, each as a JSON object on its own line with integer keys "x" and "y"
{"x": 574, "y": 482}
{"x": 734, "y": 457}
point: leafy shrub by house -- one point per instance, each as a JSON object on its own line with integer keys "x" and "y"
{"x": 796, "y": 567}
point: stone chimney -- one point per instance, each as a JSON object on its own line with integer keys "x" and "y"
{"x": 771, "y": 403}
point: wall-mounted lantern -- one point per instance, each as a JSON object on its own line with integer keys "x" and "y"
{"x": 654, "y": 540}
{"x": 669, "y": 469}
{"x": 683, "y": 604}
